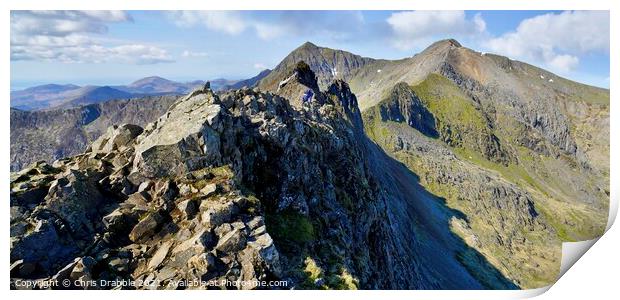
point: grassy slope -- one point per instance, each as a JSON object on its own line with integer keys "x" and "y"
{"x": 448, "y": 103}
{"x": 571, "y": 220}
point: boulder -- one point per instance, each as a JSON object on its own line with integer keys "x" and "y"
{"x": 166, "y": 273}
{"x": 119, "y": 264}
{"x": 201, "y": 241}
{"x": 232, "y": 241}
{"x": 266, "y": 250}
{"x": 216, "y": 214}
{"x": 185, "y": 142}
{"x": 75, "y": 199}
{"x": 159, "y": 255}
{"x": 208, "y": 189}
{"x": 65, "y": 273}
{"x": 145, "y": 186}
{"x": 222, "y": 230}
{"x": 116, "y": 137}
{"x": 119, "y": 221}
{"x": 187, "y": 208}
{"x": 166, "y": 190}
{"x": 146, "y": 227}
{"x": 83, "y": 268}
{"x": 202, "y": 263}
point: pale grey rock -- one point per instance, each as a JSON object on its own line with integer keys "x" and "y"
{"x": 185, "y": 141}
{"x": 116, "y": 137}
{"x": 233, "y": 241}
{"x": 160, "y": 255}
{"x": 146, "y": 227}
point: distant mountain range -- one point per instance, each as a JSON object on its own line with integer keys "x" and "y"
{"x": 70, "y": 95}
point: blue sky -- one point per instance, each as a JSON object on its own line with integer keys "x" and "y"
{"x": 118, "y": 47}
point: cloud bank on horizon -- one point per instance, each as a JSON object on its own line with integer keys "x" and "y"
{"x": 575, "y": 44}
{"x": 76, "y": 36}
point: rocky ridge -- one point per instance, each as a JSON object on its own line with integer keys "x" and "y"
{"x": 242, "y": 186}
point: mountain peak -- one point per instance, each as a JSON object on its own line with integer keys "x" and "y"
{"x": 328, "y": 64}
{"x": 448, "y": 42}
{"x": 308, "y": 45}
{"x": 443, "y": 45}
{"x": 149, "y": 80}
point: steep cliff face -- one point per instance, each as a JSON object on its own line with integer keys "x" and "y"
{"x": 438, "y": 109}
{"x": 403, "y": 105}
{"x": 532, "y": 114}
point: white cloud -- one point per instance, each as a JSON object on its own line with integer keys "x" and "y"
{"x": 563, "y": 63}
{"x": 268, "y": 31}
{"x": 92, "y": 53}
{"x": 188, "y": 53}
{"x": 414, "y": 28}
{"x": 226, "y": 21}
{"x": 137, "y": 53}
{"x": 260, "y": 66}
{"x": 273, "y": 24}
{"x": 75, "y": 37}
{"x": 556, "y": 40}
{"x": 61, "y": 23}
{"x": 480, "y": 24}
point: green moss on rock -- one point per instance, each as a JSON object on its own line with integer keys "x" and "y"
{"x": 290, "y": 227}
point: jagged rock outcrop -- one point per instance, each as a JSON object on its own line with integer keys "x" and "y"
{"x": 403, "y": 105}
{"x": 86, "y": 210}
{"x": 300, "y": 86}
{"x": 116, "y": 138}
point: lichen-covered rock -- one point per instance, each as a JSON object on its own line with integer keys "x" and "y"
{"x": 186, "y": 140}
{"x": 116, "y": 137}
{"x": 233, "y": 241}
{"x": 146, "y": 227}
